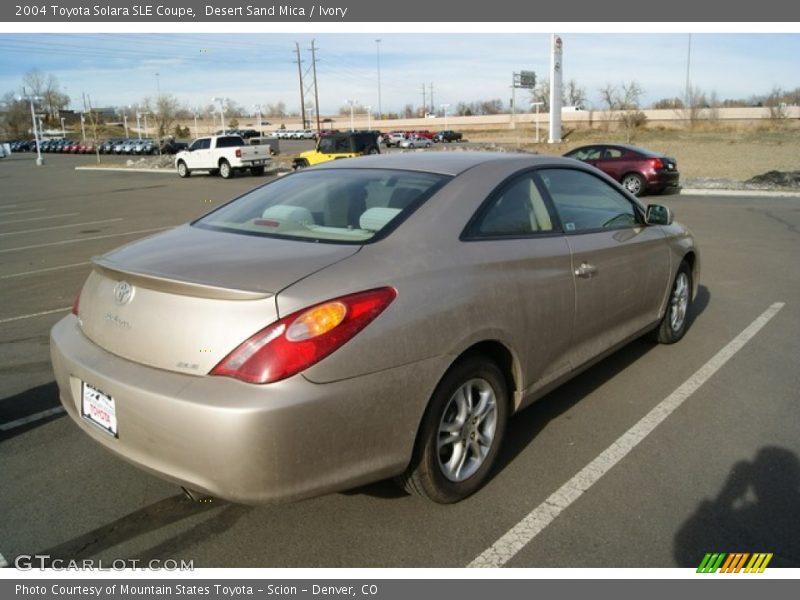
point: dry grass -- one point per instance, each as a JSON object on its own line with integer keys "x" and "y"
{"x": 706, "y": 152}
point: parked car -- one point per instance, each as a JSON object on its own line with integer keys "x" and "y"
{"x": 225, "y": 154}
{"x": 640, "y": 171}
{"x": 368, "y": 318}
{"x": 448, "y": 135}
{"x": 337, "y": 146}
{"x": 415, "y": 142}
{"x": 107, "y": 147}
{"x": 145, "y": 146}
{"x": 394, "y": 138}
{"x": 422, "y": 133}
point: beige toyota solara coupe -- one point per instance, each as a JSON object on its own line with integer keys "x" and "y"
{"x": 370, "y": 318}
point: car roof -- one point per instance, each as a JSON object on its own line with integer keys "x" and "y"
{"x": 443, "y": 162}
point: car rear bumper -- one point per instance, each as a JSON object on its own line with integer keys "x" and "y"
{"x": 663, "y": 181}
{"x": 247, "y": 443}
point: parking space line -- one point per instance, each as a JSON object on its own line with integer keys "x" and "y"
{"x": 37, "y": 271}
{"x": 19, "y": 212}
{"x": 39, "y": 218}
{"x": 62, "y": 226}
{"x": 516, "y": 538}
{"x": 86, "y": 239}
{"x": 57, "y": 410}
{"x": 38, "y": 314}
{"x": 5, "y": 206}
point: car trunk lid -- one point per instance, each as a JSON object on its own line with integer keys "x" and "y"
{"x": 181, "y": 301}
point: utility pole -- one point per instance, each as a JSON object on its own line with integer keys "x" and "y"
{"x": 316, "y": 91}
{"x": 432, "y": 110}
{"x": 424, "y": 99}
{"x": 378, "y": 46}
{"x": 300, "y": 74}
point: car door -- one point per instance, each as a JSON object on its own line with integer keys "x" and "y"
{"x": 200, "y": 154}
{"x": 529, "y": 259}
{"x": 620, "y": 266}
{"x": 610, "y": 162}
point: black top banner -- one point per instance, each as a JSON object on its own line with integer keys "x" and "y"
{"x": 350, "y": 11}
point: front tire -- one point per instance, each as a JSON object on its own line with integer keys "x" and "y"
{"x": 673, "y": 325}
{"x": 183, "y": 170}
{"x": 225, "y": 169}
{"x": 460, "y": 434}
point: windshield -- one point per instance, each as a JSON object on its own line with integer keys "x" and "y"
{"x": 335, "y": 205}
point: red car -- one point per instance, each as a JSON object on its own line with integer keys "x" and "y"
{"x": 639, "y": 171}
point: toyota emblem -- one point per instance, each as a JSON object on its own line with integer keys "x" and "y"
{"x": 123, "y": 293}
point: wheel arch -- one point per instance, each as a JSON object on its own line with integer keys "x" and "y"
{"x": 505, "y": 359}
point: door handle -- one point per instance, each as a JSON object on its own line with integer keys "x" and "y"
{"x": 586, "y": 270}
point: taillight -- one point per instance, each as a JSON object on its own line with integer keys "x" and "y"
{"x": 76, "y": 305}
{"x": 303, "y": 338}
{"x": 656, "y": 163}
{"x": 238, "y": 153}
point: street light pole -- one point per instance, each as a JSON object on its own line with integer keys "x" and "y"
{"x": 39, "y": 160}
{"x": 125, "y": 123}
{"x": 444, "y": 107}
{"x": 378, "y": 48}
{"x": 139, "y": 123}
{"x": 537, "y": 105}
{"x": 83, "y": 128}
{"x": 144, "y": 114}
{"x": 369, "y": 118}
{"x": 352, "y": 103}
{"x": 63, "y": 128}
{"x": 221, "y": 111}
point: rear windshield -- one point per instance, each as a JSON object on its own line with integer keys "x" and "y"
{"x": 336, "y": 205}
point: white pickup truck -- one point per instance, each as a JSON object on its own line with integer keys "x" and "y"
{"x": 224, "y": 154}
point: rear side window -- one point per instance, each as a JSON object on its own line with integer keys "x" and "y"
{"x": 229, "y": 141}
{"x": 518, "y": 209}
{"x": 585, "y": 202}
{"x": 332, "y": 205}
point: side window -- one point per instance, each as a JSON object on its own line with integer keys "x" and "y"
{"x": 517, "y": 210}
{"x": 585, "y": 202}
{"x": 205, "y": 144}
{"x": 198, "y": 144}
{"x": 611, "y": 153}
{"x": 588, "y": 153}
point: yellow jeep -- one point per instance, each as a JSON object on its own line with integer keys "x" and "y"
{"x": 338, "y": 145}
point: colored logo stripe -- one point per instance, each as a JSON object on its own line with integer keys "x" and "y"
{"x": 734, "y": 563}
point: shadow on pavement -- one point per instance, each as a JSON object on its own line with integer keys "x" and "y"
{"x": 756, "y": 511}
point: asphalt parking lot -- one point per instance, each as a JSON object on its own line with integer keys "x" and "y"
{"x": 720, "y": 472}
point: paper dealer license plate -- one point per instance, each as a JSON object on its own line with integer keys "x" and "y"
{"x": 99, "y": 408}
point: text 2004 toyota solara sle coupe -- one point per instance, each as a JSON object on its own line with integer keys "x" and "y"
{"x": 371, "y": 318}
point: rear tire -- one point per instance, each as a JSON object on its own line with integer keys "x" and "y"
{"x": 460, "y": 434}
{"x": 183, "y": 170}
{"x": 673, "y": 325}
{"x": 634, "y": 183}
{"x": 225, "y": 170}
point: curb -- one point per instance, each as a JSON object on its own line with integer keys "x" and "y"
{"x": 738, "y": 193}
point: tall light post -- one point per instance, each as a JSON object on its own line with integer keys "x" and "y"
{"x": 125, "y": 123}
{"x": 196, "y": 134}
{"x": 352, "y": 103}
{"x": 83, "y": 128}
{"x": 378, "y": 48}
{"x": 139, "y": 123}
{"x": 369, "y": 118}
{"x": 444, "y": 107}
{"x": 221, "y": 110}
{"x": 39, "y": 160}
{"x": 144, "y": 116}
{"x": 537, "y": 105}
{"x": 63, "y": 127}
{"x": 258, "y": 108}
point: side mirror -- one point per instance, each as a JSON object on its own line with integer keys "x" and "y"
{"x": 656, "y": 214}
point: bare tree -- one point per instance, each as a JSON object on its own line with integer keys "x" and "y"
{"x": 46, "y": 87}
{"x": 15, "y": 116}
{"x": 776, "y": 104}
{"x": 276, "y": 110}
{"x": 541, "y": 93}
{"x": 573, "y": 94}
{"x": 623, "y": 101}
{"x": 94, "y": 119}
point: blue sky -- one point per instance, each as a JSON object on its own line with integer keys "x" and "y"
{"x": 119, "y": 69}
